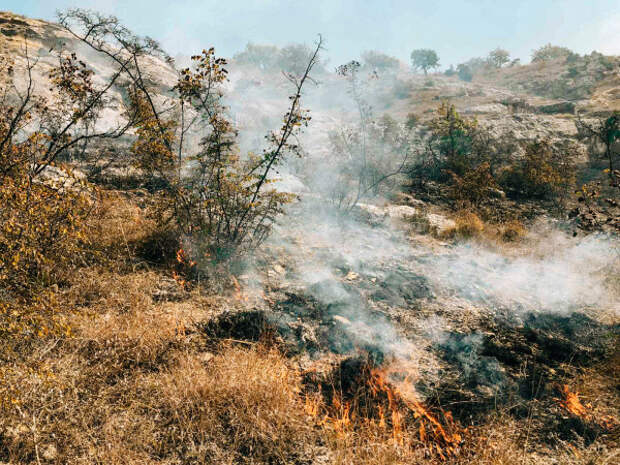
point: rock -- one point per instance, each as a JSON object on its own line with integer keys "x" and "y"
{"x": 562, "y": 107}
{"x": 342, "y": 320}
{"x": 497, "y": 193}
{"x": 440, "y": 224}
{"x": 405, "y": 199}
{"x": 49, "y": 452}
{"x": 401, "y": 212}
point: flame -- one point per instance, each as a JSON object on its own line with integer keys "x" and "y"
{"x": 380, "y": 404}
{"x": 239, "y": 295}
{"x": 184, "y": 266}
{"x": 400, "y": 402}
{"x": 571, "y": 403}
{"x": 183, "y": 259}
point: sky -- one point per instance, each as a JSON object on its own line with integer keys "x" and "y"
{"x": 457, "y": 30}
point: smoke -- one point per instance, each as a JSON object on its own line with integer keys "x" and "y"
{"x": 563, "y": 275}
{"x": 371, "y": 281}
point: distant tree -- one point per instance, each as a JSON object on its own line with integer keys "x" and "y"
{"x": 550, "y": 52}
{"x": 499, "y": 57}
{"x": 424, "y": 59}
{"x": 465, "y": 73}
{"x": 348, "y": 69}
{"x": 450, "y": 71}
{"x": 295, "y": 57}
{"x": 261, "y": 56}
{"x": 380, "y": 61}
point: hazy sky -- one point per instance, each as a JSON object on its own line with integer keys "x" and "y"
{"x": 458, "y": 30}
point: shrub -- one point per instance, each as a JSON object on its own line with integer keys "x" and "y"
{"x": 468, "y": 225}
{"x": 546, "y": 171}
{"x": 550, "y": 52}
{"x": 44, "y": 205}
{"x": 474, "y": 186}
{"x": 512, "y": 230}
{"x": 221, "y": 203}
{"x": 449, "y": 148}
{"x": 366, "y": 156}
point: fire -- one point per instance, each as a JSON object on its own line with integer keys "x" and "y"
{"x": 445, "y": 439}
{"x": 184, "y": 267}
{"x": 183, "y": 259}
{"x": 239, "y": 295}
{"x": 571, "y": 403}
{"x": 377, "y": 403}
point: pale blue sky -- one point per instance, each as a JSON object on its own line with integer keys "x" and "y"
{"x": 458, "y": 30}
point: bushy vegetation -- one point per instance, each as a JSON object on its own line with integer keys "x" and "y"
{"x": 550, "y": 52}
{"x": 545, "y": 171}
{"x": 479, "y": 165}
{"x": 292, "y": 58}
{"x": 220, "y": 202}
{"x": 366, "y": 156}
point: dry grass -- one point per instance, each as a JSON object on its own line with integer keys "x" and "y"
{"x": 511, "y": 231}
{"x": 468, "y": 225}
{"x": 136, "y": 382}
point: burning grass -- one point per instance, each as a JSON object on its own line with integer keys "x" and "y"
{"x": 363, "y": 398}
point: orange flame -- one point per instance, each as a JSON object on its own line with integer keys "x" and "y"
{"x": 431, "y": 431}
{"x": 390, "y": 409}
{"x": 571, "y": 403}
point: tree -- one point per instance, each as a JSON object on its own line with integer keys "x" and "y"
{"x": 295, "y": 57}
{"x": 499, "y": 57}
{"x": 220, "y": 203}
{"x": 262, "y": 56}
{"x": 378, "y": 61}
{"x": 605, "y": 131}
{"x": 424, "y": 59}
{"x": 464, "y": 72}
{"x": 550, "y": 52}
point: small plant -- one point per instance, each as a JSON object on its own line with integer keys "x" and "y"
{"x": 512, "y": 230}
{"x": 474, "y": 186}
{"x": 467, "y": 225}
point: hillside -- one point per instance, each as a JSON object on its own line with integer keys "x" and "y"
{"x": 415, "y": 280}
